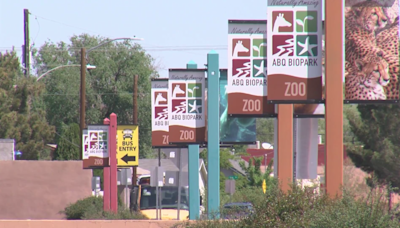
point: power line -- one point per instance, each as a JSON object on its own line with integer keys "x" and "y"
{"x": 72, "y": 26}
{"x": 77, "y": 94}
{"x": 155, "y": 48}
{"x": 67, "y": 140}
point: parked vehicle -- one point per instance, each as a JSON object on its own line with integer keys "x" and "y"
{"x": 237, "y": 210}
{"x": 144, "y": 199}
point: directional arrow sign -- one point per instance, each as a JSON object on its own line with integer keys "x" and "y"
{"x": 127, "y": 145}
{"x": 127, "y": 158}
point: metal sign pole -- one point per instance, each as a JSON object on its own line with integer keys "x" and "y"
{"x": 179, "y": 183}
{"x": 160, "y": 198}
{"x": 126, "y": 190}
{"x": 156, "y": 193}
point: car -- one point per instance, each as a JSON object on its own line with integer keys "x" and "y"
{"x": 237, "y": 210}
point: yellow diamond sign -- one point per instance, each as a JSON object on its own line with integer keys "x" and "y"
{"x": 264, "y": 186}
{"x": 127, "y": 145}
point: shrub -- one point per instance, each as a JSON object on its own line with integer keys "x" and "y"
{"x": 78, "y": 209}
{"x": 303, "y": 208}
{"x": 92, "y": 208}
{"x": 123, "y": 214}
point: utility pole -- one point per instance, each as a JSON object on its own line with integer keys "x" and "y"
{"x": 27, "y": 53}
{"x": 83, "y": 93}
{"x": 135, "y": 120}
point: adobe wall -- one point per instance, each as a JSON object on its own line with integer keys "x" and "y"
{"x": 41, "y": 189}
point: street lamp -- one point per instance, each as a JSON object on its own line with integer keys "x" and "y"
{"x": 84, "y": 55}
{"x": 62, "y": 66}
{"x": 109, "y": 41}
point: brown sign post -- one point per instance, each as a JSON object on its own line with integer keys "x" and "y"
{"x": 285, "y": 145}
{"x": 334, "y": 98}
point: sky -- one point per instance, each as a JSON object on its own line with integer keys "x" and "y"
{"x": 175, "y": 32}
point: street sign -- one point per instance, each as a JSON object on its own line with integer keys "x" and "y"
{"x": 230, "y": 186}
{"x": 264, "y": 186}
{"x": 294, "y": 32}
{"x": 186, "y": 114}
{"x": 247, "y": 69}
{"x": 233, "y": 177}
{"x": 95, "y": 146}
{"x": 127, "y": 145}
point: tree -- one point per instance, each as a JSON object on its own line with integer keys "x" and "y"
{"x": 265, "y": 130}
{"x": 377, "y": 128}
{"x": 253, "y": 172}
{"x": 20, "y": 119}
{"x": 224, "y": 161}
{"x": 109, "y": 87}
{"x": 68, "y": 145}
{"x": 349, "y": 111}
{"x": 224, "y": 157}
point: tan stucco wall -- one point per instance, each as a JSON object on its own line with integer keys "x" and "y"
{"x": 41, "y": 189}
{"x": 88, "y": 224}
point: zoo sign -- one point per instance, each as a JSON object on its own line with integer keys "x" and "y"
{"x": 95, "y": 141}
{"x": 247, "y": 68}
{"x": 294, "y": 50}
{"x": 185, "y": 107}
{"x": 159, "y": 113}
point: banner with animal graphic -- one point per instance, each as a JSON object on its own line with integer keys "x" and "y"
{"x": 247, "y": 69}
{"x": 371, "y": 51}
{"x": 233, "y": 130}
{"x": 159, "y": 113}
{"x": 95, "y": 141}
{"x": 294, "y": 32}
{"x": 186, "y": 114}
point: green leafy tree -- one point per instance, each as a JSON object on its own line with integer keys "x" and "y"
{"x": 224, "y": 161}
{"x": 377, "y": 128}
{"x": 265, "y": 130}
{"x": 109, "y": 87}
{"x": 349, "y": 111}
{"x": 20, "y": 119}
{"x": 68, "y": 145}
{"x": 224, "y": 157}
{"x": 253, "y": 171}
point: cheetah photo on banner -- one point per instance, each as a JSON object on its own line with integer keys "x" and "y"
{"x": 371, "y": 50}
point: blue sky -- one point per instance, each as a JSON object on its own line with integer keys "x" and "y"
{"x": 171, "y": 29}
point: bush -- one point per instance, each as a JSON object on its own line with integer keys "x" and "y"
{"x": 303, "y": 208}
{"x": 77, "y": 210}
{"x": 92, "y": 208}
{"x": 123, "y": 214}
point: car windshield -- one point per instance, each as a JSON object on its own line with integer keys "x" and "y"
{"x": 169, "y": 198}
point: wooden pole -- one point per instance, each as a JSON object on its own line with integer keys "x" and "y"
{"x": 135, "y": 121}
{"x": 83, "y": 94}
{"x": 27, "y": 47}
